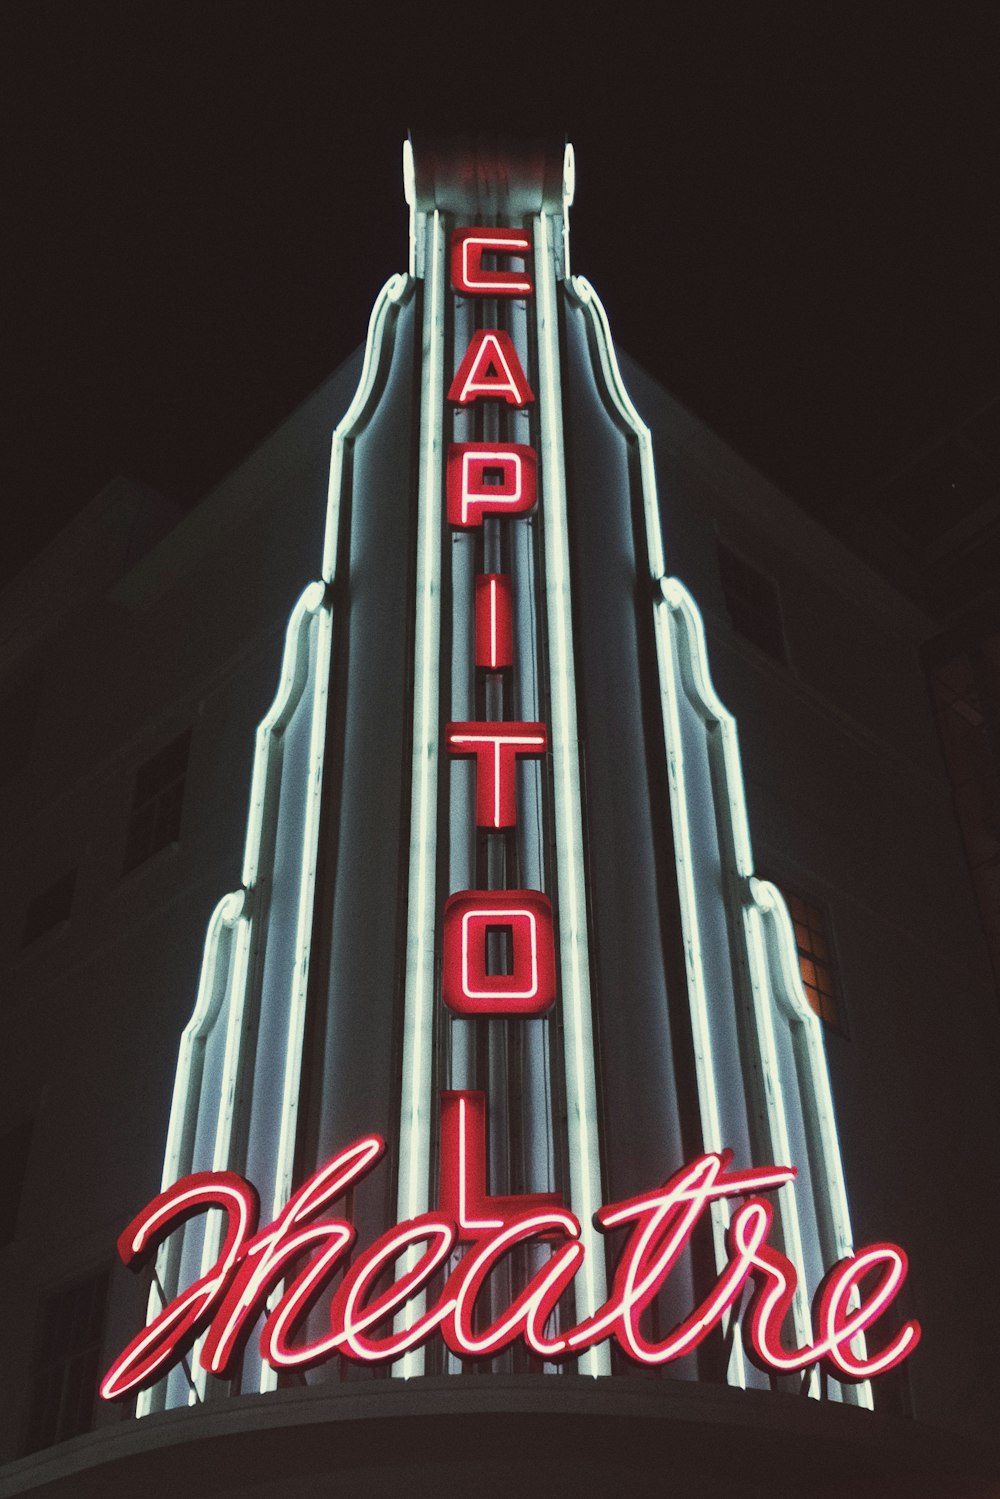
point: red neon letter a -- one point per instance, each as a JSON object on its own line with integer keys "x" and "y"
{"x": 491, "y": 370}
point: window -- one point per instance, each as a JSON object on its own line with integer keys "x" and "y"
{"x": 753, "y": 603}
{"x": 50, "y": 907}
{"x": 155, "y": 820}
{"x": 67, "y": 1363}
{"x": 816, "y": 964}
{"x": 14, "y": 1147}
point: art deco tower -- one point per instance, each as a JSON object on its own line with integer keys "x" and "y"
{"x": 498, "y": 899}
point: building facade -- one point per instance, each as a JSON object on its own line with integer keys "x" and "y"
{"x": 396, "y": 800}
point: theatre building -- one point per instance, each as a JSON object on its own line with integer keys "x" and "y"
{"x": 493, "y": 992}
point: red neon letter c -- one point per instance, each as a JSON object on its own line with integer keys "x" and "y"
{"x": 468, "y": 276}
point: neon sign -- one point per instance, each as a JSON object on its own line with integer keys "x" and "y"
{"x": 494, "y": 629}
{"x": 232, "y": 1296}
{"x": 468, "y": 247}
{"x": 525, "y": 918}
{"x": 510, "y": 953}
{"x": 489, "y": 478}
{"x": 490, "y": 370}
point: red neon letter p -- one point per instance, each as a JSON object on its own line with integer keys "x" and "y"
{"x": 489, "y": 478}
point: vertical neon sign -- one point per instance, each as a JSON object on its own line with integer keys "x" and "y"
{"x": 496, "y": 917}
{"x": 499, "y": 480}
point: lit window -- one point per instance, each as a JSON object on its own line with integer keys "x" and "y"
{"x": 752, "y": 602}
{"x": 816, "y": 965}
{"x": 67, "y": 1363}
{"x": 14, "y": 1147}
{"x": 156, "y": 806}
{"x": 49, "y": 908}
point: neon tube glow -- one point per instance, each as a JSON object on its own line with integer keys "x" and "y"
{"x": 581, "y": 1082}
{"x": 414, "y": 1121}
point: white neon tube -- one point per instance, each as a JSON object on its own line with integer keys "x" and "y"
{"x": 222, "y": 1155}
{"x": 581, "y": 1081}
{"x": 413, "y": 1188}
{"x": 214, "y": 984}
{"x": 777, "y": 938}
{"x": 410, "y": 194}
{"x": 568, "y": 193}
{"x": 294, "y": 665}
{"x": 386, "y": 303}
{"x": 698, "y": 999}
{"x": 228, "y": 983}
{"x": 225, "y": 977}
{"x": 291, "y": 1087}
{"x": 766, "y": 927}
{"x": 177, "y": 1157}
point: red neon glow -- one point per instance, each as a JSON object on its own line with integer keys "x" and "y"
{"x": 490, "y": 370}
{"x": 660, "y": 1223}
{"x": 463, "y": 1194}
{"x": 489, "y": 478}
{"x": 496, "y": 747}
{"x": 531, "y": 1309}
{"x": 838, "y": 1325}
{"x": 349, "y": 1307}
{"x": 494, "y": 629}
{"x": 167, "y": 1338}
{"x": 469, "y": 245}
{"x": 470, "y": 916}
{"x": 264, "y": 1258}
{"x": 776, "y": 1282}
{"x": 275, "y": 1340}
{"x": 664, "y": 1222}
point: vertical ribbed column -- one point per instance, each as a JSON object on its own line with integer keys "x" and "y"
{"x": 574, "y": 953}
{"x": 418, "y": 1016}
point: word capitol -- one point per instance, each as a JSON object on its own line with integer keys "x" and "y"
{"x": 364, "y": 1318}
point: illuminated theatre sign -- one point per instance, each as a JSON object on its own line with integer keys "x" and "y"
{"x": 517, "y": 1049}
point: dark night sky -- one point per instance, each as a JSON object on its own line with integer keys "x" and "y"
{"x": 791, "y": 212}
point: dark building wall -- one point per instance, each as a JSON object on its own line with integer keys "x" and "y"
{"x": 189, "y": 637}
{"x": 848, "y": 803}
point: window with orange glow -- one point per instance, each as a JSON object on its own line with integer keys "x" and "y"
{"x": 816, "y": 961}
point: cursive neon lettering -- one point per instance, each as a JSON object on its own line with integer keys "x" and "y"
{"x": 230, "y": 1298}
{"x": 531, "y": 1308}
{"x": 165, "y": 1340}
